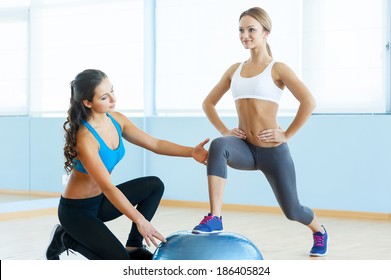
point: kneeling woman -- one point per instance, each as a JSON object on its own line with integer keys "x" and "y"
{"x": 93, "y": 147}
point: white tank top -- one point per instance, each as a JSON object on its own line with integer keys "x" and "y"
{"x": 260, "y": 86}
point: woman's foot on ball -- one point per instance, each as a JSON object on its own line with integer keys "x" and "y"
{"x": 209, "y": 224}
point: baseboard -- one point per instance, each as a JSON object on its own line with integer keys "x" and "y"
{"x": 203, "y": 205}
{"x": 28, "y": 193}
{"x": 27, "y": 214}
{"x": 277, "y": 210}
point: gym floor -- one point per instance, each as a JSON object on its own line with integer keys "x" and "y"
{"x": 26, "y": 237}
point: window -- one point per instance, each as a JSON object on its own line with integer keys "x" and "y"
{"x": 197, "y": 41}
{"x": 14, "y": 60}
{"x": 344, "y": 54}
{"x": 71, "y": 36}
{"x": 336, "y": 47}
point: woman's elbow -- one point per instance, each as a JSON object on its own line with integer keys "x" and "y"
{"x": 309, "y": 103}
{"x": 312, "y": 104}
{"x": 207, "y": 105}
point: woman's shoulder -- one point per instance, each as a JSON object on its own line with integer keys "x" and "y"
{"x": 232, "y": 69}
{"x": 279, "y": 65}
{"x": 84, "y": 138}
{"x": 281, "y": 69}
{"x": 117, "y": 116}
{"x": 121, "y": 119}
{"x": 235, "y": 66}
{"x": 83, "y": 131}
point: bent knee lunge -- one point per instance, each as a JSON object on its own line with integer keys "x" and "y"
{"x": 156, "y": 184}
{"x": 301, "y": 214}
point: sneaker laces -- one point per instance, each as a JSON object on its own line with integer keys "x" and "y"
{"x": 65, "y": 248}
{"x": 319, "y": 240}
{"x": 206, "y": 219}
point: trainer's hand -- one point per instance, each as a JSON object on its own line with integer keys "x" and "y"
{"x": 199, "y": 153}
{"x": 237, "y": 132}
{"x": 149, "y": 233}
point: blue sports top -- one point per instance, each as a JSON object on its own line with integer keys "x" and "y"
{"x": 260, "y": 86}
{"x": 109, "y": 156}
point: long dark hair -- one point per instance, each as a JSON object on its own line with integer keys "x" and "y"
{"x": 82, "y": 88}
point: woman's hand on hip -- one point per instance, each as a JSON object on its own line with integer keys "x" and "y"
{"x": 272, "y": 135}
{"x": 237, "y": 132}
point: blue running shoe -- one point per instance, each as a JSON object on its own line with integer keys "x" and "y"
{"x": 320, "y": 244}
{"x": 210, "y": 224}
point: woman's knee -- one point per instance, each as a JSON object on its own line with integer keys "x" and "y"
{"x": 291, "y": 215}
{"x": 299, "y": 214}
{"x": 219, "y": 144}
{"x": 219, "y": 150}
{"x": 157, "y": 184}
{"x": 220, "y": 155}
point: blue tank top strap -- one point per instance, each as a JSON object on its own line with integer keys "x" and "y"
{"x": 116, "y": 124}
{"x": 109, "y": 156}
{"x": 92, "y": 130}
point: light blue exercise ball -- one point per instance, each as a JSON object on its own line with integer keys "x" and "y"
{"x": 184, "y": 245}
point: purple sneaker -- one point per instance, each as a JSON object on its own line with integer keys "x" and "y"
{"x": 210, "y": 224}
{"x": 320, "y": 244}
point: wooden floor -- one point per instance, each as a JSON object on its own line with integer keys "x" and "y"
{"x": 276, "y": 237}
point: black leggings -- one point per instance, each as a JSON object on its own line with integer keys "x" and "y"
{"x": 83, "y": 219}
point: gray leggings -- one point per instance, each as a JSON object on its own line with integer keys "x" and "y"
{"x": 276, "y": 163}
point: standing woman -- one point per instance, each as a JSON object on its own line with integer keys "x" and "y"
{"x": 258, "y": 143}
{"x": 93, "y": 147}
